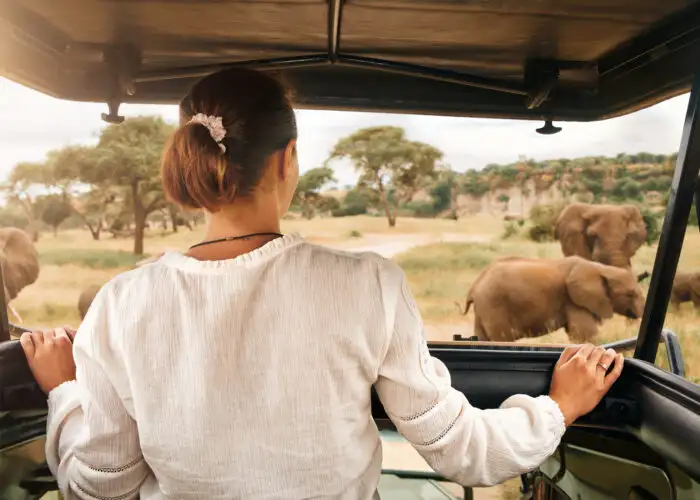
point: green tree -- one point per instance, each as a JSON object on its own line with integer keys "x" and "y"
{"x": 55, "y": 209}
{"x": 356, "y": 202}
{"x": 128, "y": 156}
{"x": 308, "y": 194}
{"x": 25, "y": 180}
{"x": 504, "y": 198}
{"x": 91, "y": 198}
{"x": 626, "y": 189}
{"x": 386, "y": 160}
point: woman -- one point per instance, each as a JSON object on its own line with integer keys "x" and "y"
{"x": 243, "y": 368}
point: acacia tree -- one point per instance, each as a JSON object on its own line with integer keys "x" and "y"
{"x": 90, "y": 198}
{"x": 387, "y": 161}
{"x": 23, "y": 179}
{"x": 128, "y": 155}
{"x": 308, "y": 194}
{"x": 55, "y": 209}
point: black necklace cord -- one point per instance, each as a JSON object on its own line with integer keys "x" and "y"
{"x": 234, "y": 238}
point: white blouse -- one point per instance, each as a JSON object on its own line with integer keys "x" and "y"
{"x": 250, "y": 378}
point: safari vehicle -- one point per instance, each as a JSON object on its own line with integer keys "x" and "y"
{"x": 548, "y": 61}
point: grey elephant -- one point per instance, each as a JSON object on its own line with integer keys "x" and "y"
{"x": 20, "y": 263}
{"x": 686, "y": 288}
{"x": 518, "y": 297}
{"x": 88, "y": 295}
{"x": 609, "y": 234}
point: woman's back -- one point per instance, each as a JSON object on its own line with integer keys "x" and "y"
{"x": 243, "y": 368}
{"x": 251, "y": 377}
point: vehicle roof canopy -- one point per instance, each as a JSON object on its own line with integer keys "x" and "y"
{"x": 560, "y": 59}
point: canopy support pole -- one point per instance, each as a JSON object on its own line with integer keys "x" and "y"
{"x": 672, "y": 231}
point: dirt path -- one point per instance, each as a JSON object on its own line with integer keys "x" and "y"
{"x": 391, "y": 245}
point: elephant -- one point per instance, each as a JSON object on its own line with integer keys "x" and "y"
{"x": 609, "y": 234}
{"x": 88, "y": 295}
{"x": 686, "y": 288}
{"x": 20, "y": 263}
{"x": 518, "y": 297}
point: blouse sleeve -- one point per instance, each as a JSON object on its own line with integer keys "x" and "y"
{"x": 92, "y": 443}
{"x": 464, "y": 444}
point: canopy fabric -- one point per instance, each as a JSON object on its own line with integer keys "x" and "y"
{"x": 561, "y": 59}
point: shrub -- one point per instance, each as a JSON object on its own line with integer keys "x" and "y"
{"x": 442, "y": 196}
{"x": 355, "y": 234}
{"x": 510, "y": 229}
{"x": 421, "y": 208}
{"x": 543, "y": 219}
{"x": 540, "y": 233}
{"x": 348, "y": 211}
{"x": 652, "y": 221}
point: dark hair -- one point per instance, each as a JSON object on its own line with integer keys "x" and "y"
{"x": 257, "y": 114}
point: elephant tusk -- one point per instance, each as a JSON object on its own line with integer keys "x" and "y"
{"x": 15, "y": 313}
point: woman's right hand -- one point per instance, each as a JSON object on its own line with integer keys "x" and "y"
{"x": 579, "y": 381}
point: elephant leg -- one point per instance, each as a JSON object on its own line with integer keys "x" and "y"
{"x": 675, "y": 301}
{"x": 696, "y": 299}
{"x": 479, "y": 329}
{"x": 581, "y": 326}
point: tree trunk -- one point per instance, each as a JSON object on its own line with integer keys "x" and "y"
{"x": 32, "y": 227}
{"x": 172, "y": 213}
{"x": 55, "y": 231}
{"x": 385, "y": 203}
{"x": 96, "y": 231}
{"x": 139, "y": 230}
{"x": 139, "y": 219}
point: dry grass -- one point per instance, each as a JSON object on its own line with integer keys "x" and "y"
{"x": 440, "y": 274}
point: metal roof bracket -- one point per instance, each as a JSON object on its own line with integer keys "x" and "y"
{"x": 540, "y": 78}
{"x": 123, "y": 63}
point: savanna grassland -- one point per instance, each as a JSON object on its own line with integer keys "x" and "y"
{"x": 441, "y": 258}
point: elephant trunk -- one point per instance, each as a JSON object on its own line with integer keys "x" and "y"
{"x": 616, "y": 258}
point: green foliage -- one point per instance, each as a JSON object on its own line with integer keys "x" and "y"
{"x": 473, "y": 183}
{"x": 442, "y": 195}
{"x": 92, "y": 259}
{"x": 328, "y": 204}
{"x": 543, "y": 219}
{"x": 626, "y": 189}
{"x": 661, "y": 184}
{"x": 652, "y": 221}
{"x": 420, "y": 208}
{"x": 308, "y": 193}
{"x": 355, "y": 234}
{"x": 511, "y": 229}
{"x": 386, "y": 159}
{"x": 54, "y": 210}
{"x": 356, "y": 202}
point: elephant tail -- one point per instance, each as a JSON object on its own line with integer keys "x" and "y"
{"x": 467, "y": 305}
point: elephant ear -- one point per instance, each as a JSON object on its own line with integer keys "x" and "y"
{"x": 570, "y": 230}
{"x": 588, "y": 288}
{"x": 636, "y": 228}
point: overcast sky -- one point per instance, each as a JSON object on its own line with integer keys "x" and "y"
{"x": 32, "y": 124}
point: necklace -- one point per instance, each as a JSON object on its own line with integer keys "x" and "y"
{"x": 234, "y": 238}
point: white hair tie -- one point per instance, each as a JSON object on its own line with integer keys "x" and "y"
{"x": 214, "y": 125}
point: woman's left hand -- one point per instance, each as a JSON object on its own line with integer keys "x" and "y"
{"x": 50, "y": 356}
